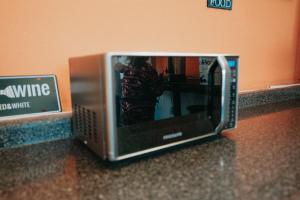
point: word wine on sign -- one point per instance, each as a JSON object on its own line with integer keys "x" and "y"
{"x": 23, "y": 95}
{"x": 221, "y": 4}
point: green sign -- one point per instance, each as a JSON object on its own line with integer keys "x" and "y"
{"x": 221, "y": 4}
{"x": 28, "y": 95}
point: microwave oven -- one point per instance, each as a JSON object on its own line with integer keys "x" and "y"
{"x": 126, "y": 104}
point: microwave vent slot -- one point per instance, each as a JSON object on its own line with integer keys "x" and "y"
{"x": 85, "y": 122}
{"x": 78, "y": 118}
{"x": 88, "y": 124}
{"x": 95, "y": 130}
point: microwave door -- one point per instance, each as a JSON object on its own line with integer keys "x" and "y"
{"x": 219, "y": 93}
{"x": 155, "y": 111}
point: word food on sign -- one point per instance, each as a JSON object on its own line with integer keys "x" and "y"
{"x": 221, "y": 4}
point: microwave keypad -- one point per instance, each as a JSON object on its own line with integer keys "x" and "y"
{"x": 233, "y": 93}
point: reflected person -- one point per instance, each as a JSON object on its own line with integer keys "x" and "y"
{"x": 140, "y": 87}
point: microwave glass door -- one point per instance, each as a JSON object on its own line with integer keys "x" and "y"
{"x": 161, "y": 100}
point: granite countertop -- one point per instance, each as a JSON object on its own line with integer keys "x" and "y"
{"x": 258, "y": 160}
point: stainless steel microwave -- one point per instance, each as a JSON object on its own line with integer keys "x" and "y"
{"x": 126, "y": 104}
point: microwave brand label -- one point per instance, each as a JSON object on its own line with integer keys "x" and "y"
{"x": 172, "y": 135}
{"x": 28, "y": 95}
{"x": 221, "y": 4}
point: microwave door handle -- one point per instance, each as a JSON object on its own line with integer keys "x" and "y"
{"x": 225, "y": 98}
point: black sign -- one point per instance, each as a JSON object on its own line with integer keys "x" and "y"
{"x": 221, "y": 4}
{"x": 28, "y": 95}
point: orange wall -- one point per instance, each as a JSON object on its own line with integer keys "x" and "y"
{"x": 38, "y": 37}
{"x": 297, "y": 75}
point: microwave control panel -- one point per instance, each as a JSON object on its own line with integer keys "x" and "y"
{"x": 233, "y": 65}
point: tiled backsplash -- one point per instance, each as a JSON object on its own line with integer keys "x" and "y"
{"x": 25, "y": 132}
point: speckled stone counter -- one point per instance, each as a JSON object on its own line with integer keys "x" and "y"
{"x": 258, "y": 160}
{"x": 36, "y": 129}
{"x": 31, "y": 130}
{"x": 262, "y": 97}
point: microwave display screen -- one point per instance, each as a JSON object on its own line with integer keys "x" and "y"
{"x": 165, "y": 98}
